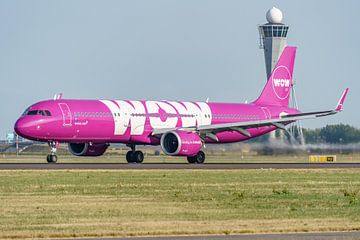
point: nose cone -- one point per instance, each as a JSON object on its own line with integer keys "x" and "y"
{"x": 24, "y": 127}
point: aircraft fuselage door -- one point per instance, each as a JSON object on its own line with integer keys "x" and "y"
{"x": 66, "y": 114}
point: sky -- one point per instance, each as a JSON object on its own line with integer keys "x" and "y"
{"x": 173, "y": 50}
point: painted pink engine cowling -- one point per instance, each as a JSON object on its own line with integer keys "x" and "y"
{"x": 86, "y": 149}
{"x": 180, "y": 143}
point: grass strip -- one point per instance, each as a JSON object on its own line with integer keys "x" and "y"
{"x": 91, "y": 203}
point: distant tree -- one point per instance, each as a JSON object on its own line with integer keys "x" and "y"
{"x": 339, "y": 133}
{"x": 312, "y": 135}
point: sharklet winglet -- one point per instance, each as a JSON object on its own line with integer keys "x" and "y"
{"x": 341, "y": 101}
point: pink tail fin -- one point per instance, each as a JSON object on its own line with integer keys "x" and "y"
{"x": 278, "y": 87}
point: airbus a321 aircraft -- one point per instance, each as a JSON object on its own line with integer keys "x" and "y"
{"x": 181, "y": 128}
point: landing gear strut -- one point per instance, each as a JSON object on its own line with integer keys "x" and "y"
{"x": 198, "y": 158}
{"x": 134, "y": 156}
{"x": 52, "y": 158}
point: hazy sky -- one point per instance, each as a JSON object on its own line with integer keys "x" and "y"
{"x": 174, "y": 50}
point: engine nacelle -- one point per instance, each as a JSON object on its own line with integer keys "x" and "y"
{"x": 180, "y": 143}
{"x": 87, "y": 149}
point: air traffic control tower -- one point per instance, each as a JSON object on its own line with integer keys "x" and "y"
{"x": 273, "y": 38}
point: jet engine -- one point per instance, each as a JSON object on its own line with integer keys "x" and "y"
{"x": 87, "y": 149}
{"x": 180, "y": 143}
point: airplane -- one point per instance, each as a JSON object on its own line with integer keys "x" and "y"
{"x": 180, "y": 128}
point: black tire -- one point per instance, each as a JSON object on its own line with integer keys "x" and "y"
{"x": 129, "y": 157}
{"x": 191, "y": 159}
{"x": 138, "y": 157}
{"x": 200, "y": 157}
{"x": 51, "y": 158}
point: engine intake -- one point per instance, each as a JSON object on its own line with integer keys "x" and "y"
{"x": 87, "y": 149}
{"x": 180, "y": 143}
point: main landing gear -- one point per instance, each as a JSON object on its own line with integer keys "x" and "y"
{"x": 198, "y": 158}
{"x": 52, "y": 158}
{"x": 134, "y": 156}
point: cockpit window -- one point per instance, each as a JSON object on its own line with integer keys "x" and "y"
{"x": 41, "y": 112}
{"x": 37, "y": 112}
{"x": 33, "y": 112}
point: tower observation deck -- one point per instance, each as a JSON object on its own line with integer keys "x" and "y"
{"x": 273, "y": 36}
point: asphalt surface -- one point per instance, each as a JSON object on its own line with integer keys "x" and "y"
{"x": 286, "y": 236}
{"x": 46, "y": 166}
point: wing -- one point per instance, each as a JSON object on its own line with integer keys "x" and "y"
{"x": 241, "y": 127}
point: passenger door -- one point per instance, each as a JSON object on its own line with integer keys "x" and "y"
{"x": 66, "y": 114}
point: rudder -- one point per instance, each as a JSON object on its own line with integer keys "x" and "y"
{"x": 278, "y": 87}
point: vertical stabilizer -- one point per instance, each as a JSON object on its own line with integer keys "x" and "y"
{"x": 278, "y": 87}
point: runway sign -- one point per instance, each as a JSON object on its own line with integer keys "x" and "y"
{"x": 322, "y": 158}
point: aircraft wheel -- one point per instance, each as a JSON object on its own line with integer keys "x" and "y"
{"x": 51, "y": 158}
{"x": 191, "y": 159}
{"x": 129, "y": 157}
{"x": 138, "y": 157}
{"x": 200, "y": 157}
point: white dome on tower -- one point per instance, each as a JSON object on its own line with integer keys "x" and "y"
{"x": 274, "y": 15}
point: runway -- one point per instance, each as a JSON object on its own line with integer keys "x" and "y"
{"x": 207, "y": 166}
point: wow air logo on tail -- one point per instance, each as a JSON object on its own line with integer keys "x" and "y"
{"x": 281, "y": 81}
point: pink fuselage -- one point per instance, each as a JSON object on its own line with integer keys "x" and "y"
{"x": 108, "y": 121}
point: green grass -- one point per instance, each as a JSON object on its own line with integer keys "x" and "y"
{"x": 161, "y": 202}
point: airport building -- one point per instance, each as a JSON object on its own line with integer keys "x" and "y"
{"x": 273, "y": 40}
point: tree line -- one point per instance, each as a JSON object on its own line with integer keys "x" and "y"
{"x": 338, "y": 133}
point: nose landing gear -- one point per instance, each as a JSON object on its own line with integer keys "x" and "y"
{"x": 52, "y": 158}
